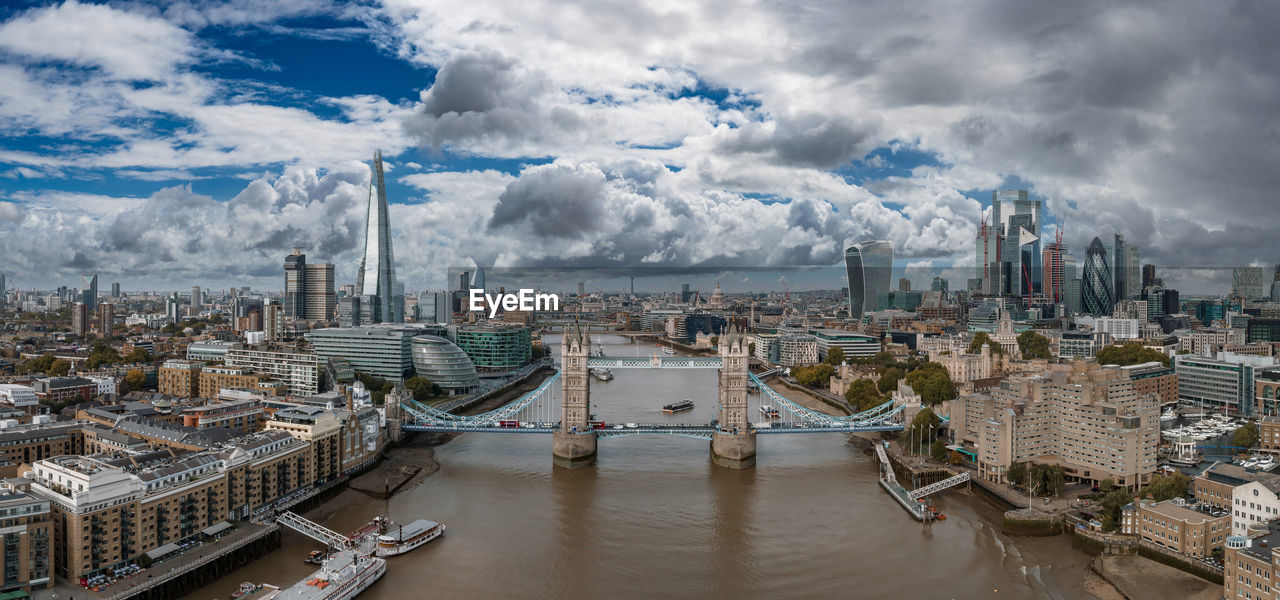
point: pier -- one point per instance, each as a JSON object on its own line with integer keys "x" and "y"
{"x": 910, "y": 500}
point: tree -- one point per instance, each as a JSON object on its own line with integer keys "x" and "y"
{"x": 1130, "y": 354}
{"x": 1033, "y": 345}
{"x": 135, "y": 379}
{"x": 933, "y": 383}
{"x": 138, "y": 355}
{"x": 102, "y": 354}
{"x": 1245, "y": 437}
{"x": 981, "y": 338}
{"x": 421, "y": 388}
{"x": 39, "y": 364}
{"x": 938, "y": 450}
{"x": 59, "y": 368}
{"x": 1166, "y": 487}
{"x": 813, "y": 375}
{"x": 1112, "y": 503}
{"x": 216, "y": 320}
{"x": 922, "y": 428}
{"x": 1018, "y": 473}
{"x": 715, "y": 341}
{"x": 862, "y": 394}
{"x": 1047, "y": 479}
{"x": 751, "y": 348}
{"x": 835, "y": 356}
{"x": 889, "y": 379}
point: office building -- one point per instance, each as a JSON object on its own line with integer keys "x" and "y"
{"x": 434, "y": 307}
{"x": 80, "y": 319}
{"x": 852, "y": 344}
{"x": 796, "y": 349}
{"x": 1096, "y": 297}
{"x": 375, "y": 281}
{"x": 869, "y": 267}
{"x": 1053, "y": 272}
{"x": 444, "y": 363}
{"x": 89, "y": 291}
{"x": 295, "y": 276}
{"x": 1171, "y": 524}
{"x": 1246, "y": 282}
{"x": 1148, "y": 276}
{"x": 197, "y": 298}
{"x": 384, "y": 350}
{"x": 496, "y": 348}
{"x": 115, "y": 290}
{"x": 321, "y": 300}
{"x": 1220, "y": 384}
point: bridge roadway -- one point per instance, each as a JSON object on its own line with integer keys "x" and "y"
{"x": 623, "y": 430}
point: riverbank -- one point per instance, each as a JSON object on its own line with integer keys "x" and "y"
{"x": 1138, "y": 578}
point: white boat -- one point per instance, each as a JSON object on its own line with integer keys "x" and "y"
{"x": 342, "y": 577}
{"x": 398, "y": 539}
{"x": 1267, "y": 463}
{"x": 668, "y": 350}
{"x": 1249, "y": 464}
{"x": 1168, "y": 415}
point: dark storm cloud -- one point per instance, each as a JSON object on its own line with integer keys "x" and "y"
{"x": 555, "y": 201}
{"x": 807, "y": 140}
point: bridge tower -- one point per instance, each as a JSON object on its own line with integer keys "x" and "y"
{"x": 733, "y": 444}
{"x": 575, "y": 444}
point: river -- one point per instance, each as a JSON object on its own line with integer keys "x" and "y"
{"x": 654, "y": 518}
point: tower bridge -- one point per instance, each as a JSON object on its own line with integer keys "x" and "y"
{"x": 575, "y": 434}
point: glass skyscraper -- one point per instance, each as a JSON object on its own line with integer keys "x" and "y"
{"x": 1096, "y": 296}
{"x": 89, "y": 291}
{"x": 375, "y": 282}
{"x": 869, "y": 266}
{"x": 1008, "y": 253}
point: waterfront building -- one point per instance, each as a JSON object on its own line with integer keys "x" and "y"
{"x": 237, "y": 415}
{"x": 1254, "y": 504}
{"x": 1266, "y": 394}
{"x": 1089, "y": 419}
{"x": 1250, "y": 565}
{"x": 380, "y": 350}
{"x": 766, "y": 347}
{"x": 299, "y": 371}
{"x": 320, "y": 428}
{"x": 796, "y": 349}
{"x": 853, "y": 344}
{"x": 869, "y": 267}
{"x": 1096, "y": 294}
{"x": 375, "y": 280}
{"x": 444, "y": 363}
{"x": 1172, "y": 525}
{"x": 1221, "y": 384}
{"x": 702, "y": 323}
{"x": 496, "y": 348}
{"x": 1154, "y": 378}
{"x": 27, "y": 538}
{"x": 1216, "y": 486}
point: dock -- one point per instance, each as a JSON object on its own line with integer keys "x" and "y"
{"x": 910, "y": 500}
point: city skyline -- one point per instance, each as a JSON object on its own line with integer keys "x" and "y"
{"x": 194, "y": 145}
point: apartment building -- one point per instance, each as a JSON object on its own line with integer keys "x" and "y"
{"x": 319, "y": 427}
{"x": 1250, "y": 565}
{"x": 1253, "y": 504}
{"x": 1155, "y": 378}
{"x": 26, "y": 532}
{"x": 1172, "y": 525}
{"x": 180, "y": 378}
{"x": 239, "y": 415}
{"x": 1087, "y": 418}
{"x": 215, "y": 379}
{"x": 300, "y": 372}
{"x": 1216, "y": 485}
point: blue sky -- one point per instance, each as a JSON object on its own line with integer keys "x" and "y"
{"x": 195, "y": 142}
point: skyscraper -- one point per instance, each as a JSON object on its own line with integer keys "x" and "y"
{"x": 1132, "y": 273}
{"x": 1148, "y": 276}
{"x": 295, "y": 306}
{"x": 869, "y": 267}
{"x": 1053, "y": 271}
{"x": 106, "y": 319}
{"x": 89, "y": 291}
{"x": 1070, "y": 285}
{"x": 1246, "y": 282}
{"x": 197, "y": 298}
{"x": 115, "y": 290}
{"x": 320, "y": 301}
{"x": 1008, "y": 250}
{"x": 477, "y": 281}
{"x": 80, "y": 319}
{"x": 1119, "y": 278}
{"x": 375, "y": 281}
{"x": 1096, "y": 297}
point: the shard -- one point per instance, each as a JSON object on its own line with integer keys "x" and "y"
{"x": 375, "y": 282}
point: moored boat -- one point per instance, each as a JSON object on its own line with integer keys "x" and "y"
{"x": 343, "y": 576}
{"x": 398, "y": 539}
{"x": 680, "y": 406}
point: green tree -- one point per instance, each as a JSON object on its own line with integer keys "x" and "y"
{"x": 1018, "y": 473}
{"x": 421, "y": 388}
{"x": 1130, "y": 354}
{"x": 981, "y": 338}
{"x": 938, "y": 450}
{"x": 39, "y": 364}
{"x": 59, "y": 368}
{"x": 135, "y": 379}
{"x": 751, "y": 348}
{"x": 715, "y": 341}
{"x": 933, "y": 383}
{"x": 889, "y": 379}
{"x": 1033, "y": 345}
{"x": 216, "y": 320}
{"x": 862, "y": 394}
{"x": 101, "y": 355}
{"x": 1112, "y": 504}
{"x": 1167, "y": 487}
{"x": 1245, "y": 437}
{"x": 813, "y": 375}
{"x": 138, "y": 355}
{"x": 922, "y": 429}
{"x": 1048, "y": 480}
{"x": 835, "y": 356}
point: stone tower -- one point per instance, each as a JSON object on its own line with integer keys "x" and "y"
{"x": 395, "y": 415}
{"x": 575, "y": 444}
{"x": 733, "y": 445}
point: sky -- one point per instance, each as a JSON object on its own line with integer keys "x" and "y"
{"x": 164, "y": 145}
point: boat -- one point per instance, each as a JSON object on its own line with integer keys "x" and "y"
{"x": 315, "y": 558}
{"x": 668, "y": 350}
{"x": 602, "y": 374}
{"x": 680, "y": 406}
{"x": 1267, "y": 463}
{"x": 770, "y": 411}
{"x": 343, "y": 576}
{"x": 397, "y": 539}
{"x": 1168, "y": 415}
{"x": 253, "y": 591}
